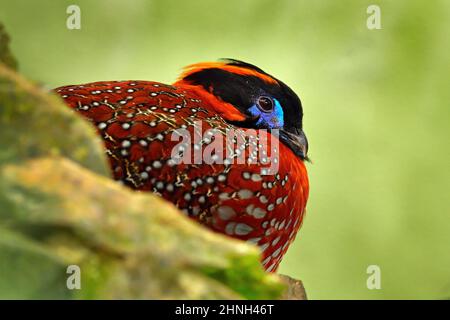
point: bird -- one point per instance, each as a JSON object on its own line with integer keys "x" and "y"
{"x": 205, "y": 143}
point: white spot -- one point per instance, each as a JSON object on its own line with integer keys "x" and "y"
{"x": 126, "y": 144}
{"x": 169, "y": 187}
{"x": 271, "y": 268}
{"x": 245, "y": 194}
{"x": 246, "y": 175}
{"x": 195, "y": 210}
{"x": 277, "y": 239}
{"x": 259, "y": 213}
{"x": 157, "y": 164}
{"x": 270, "y": 207}
{"x": 224, "y": 196}
{"x": 243, "y": 229}
{"x": 256, "y": 177}
{"x": 126, "y": 126}
{"x": 229, "y": 229}
{"x": 187, "y": 196}
{"x": 263, "y": 247}
{"x": 276, "y": 253}
{"x": 263, "y": 199}
{"x": 289, "y": 224}
{"x": 266, "y": 260}
{"x": 254, "y": 240}
{"x": 226, "y": 212}
{"x": 221, "y": 178}
{"x": 102, "y": 125}
{"x": 144, "y": 175}
{"x": 279, "y": 200}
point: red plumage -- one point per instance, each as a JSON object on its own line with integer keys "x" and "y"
{"x": 136, "y": 120}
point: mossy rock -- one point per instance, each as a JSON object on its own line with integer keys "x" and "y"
{"x": 127, "y": 244}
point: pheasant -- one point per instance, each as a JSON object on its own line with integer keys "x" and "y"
{"x": 224, "y": 143}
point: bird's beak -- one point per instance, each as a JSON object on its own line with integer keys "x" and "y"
{"x": 297, "y": 141}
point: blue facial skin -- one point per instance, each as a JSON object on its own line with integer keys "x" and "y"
{"x": 271, "y": 120}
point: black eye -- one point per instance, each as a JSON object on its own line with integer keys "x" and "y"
{"x": 265, "y": 104}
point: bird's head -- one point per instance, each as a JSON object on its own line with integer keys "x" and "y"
{"x": 251, "y": 98}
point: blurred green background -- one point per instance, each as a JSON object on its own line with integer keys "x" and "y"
{"x": 377, "y": 110}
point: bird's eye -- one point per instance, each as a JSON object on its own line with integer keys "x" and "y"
{"x": 265, "y": 104}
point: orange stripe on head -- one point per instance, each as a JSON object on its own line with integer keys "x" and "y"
{"x": 236, "y": 69}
